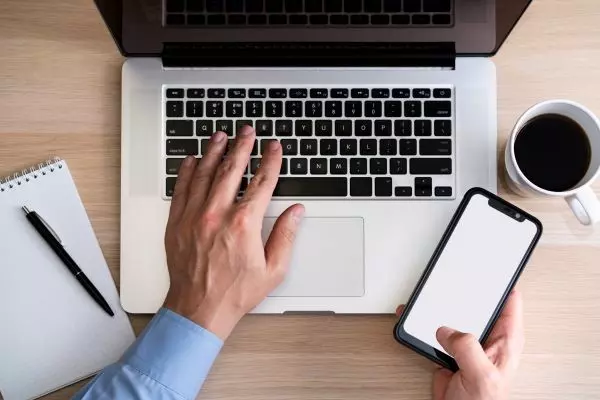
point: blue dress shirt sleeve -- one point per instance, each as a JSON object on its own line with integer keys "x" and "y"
{"x": 169, "y": 361}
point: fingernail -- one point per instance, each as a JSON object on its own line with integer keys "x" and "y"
{"x": 188, "y": 161}
{"x": 274, "y": 145}
{"x": 246, "y": 131}
{"x": 298, "y": 214}
{"x": 218, "y": 137}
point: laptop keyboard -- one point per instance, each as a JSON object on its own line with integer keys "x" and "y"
{"x": 308, "y": 13}
{"x": 338, "y": 142}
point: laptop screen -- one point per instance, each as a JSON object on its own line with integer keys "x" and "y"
{"x": 475, "y": 27}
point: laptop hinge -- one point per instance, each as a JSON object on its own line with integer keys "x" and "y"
{"x": 190, "y": 55}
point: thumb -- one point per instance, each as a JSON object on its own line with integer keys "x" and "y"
{"x": 278, "y": 248}
{"x": 467, "y": 352}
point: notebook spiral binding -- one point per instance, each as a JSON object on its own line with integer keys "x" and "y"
{"x": 29, "y": 174}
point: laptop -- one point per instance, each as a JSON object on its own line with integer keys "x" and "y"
{"x": 386, "y": 111}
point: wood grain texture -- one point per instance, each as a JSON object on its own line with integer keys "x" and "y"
{"x": 59, "y": 95}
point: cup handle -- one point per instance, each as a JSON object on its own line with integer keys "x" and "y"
{"x": 585, "y": 206}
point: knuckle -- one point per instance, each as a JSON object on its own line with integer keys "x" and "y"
{"x": 207, "y": 219}
{"x": 242, "y": 219}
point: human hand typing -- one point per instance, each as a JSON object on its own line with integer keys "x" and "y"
{"x": 485, "y": 372}
{"x": 218, "y": 265}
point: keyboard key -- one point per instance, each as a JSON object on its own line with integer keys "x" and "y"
{"x": 175, "y": 6}
{"x": 380, "y": 93}
{"x": 333, "y": 6}
{"x": 304, "y": 128}
{"x": 254, "y": 109}
{"x": 348, "y": 147}
{"x": 216, "y": 93}
{"x": 175, "y": 19}
{"x": 235, "y": 19}
{"x": 182, "y": 147}
{"x": 359, "y": 93}
{"x": 352, "y": 6}
{"x": 216, "y": 19}
{"x": 236, "y": 93}
{"x": 408, "y": 147}
{"x": 358, "y": 166}
{"x": 378, "y": 166}
{"x": 240, "y": 123}
{"x": 180, "y": 127}
{"x": 421, "y": 19}
{"x": 319, "y": 19}
{"x": 298, "y": 93}
{"x": 383, "y": 128}
{"x": 284, "y": 167}
{"x": 254, "y": 6}
{"x": 293, "y": 109}
{"x": 361, "y": 19}
{"x": 215, "y": 6}
{"x": 318, "y": 166}
{"x": 438, "y": 109}
{"x": 422, "y": 127}
{"x": 293, "y": 6}
{"x": 441, "y": 19}
{"x": 264, "y": 128}
{"x": 299, "y": 166}
{"x": 243, "y": 184}
{"x": 333, "y": 109}
{"x": 398, "y": 166}
{"x": 368, "y": 147}
{"x": 195, "y": 5}
{"x": 363, "y": 127}
{"x": 257, "y": 19}
{"x": 194, "y": 109}
{"x": 400, "y": 19}
{"x": 383, "y": 187}
{"x": 257, "y": 93}
{"x": 442, "y": 128}
{"x": 214, "y": 109}
{"x": 328, "y": 147}
{"x": 174, "y": 93}
{"x": 393, "y": 109}
{"x": 388, "y": 147}
{"x": 311, "y": 187}
{"x": 173, "y": 165}
{"x": 234, "y": 109}
{"x": 339, "y": 19}
{"x": 412, "y": 6}
{"x": 373, "y": 109}
{"x": 283, "y": 128}
{"x": 412, "y": 109}
{"x": 361, "y": 187}
{"x": 323, "y": 128}
{"x": 435, "y": 147}
{"x": 343, "y": 128}
{"x": 403, "y": 127}
{"x": 437, "y": 5}
{"x": 313, "y": 6}
{"x": 255, "y": 148}
{"x": 278, "y": 93}
{"x": 423, "y": 187}
{"x": 443, "y": 191}
{"x": 353, "y": 109}
{"x": 170, "y": 186}
{"x": 196, "y": 19}
{"x": 225, "y": 125}
{"x": 380, "y": 19}
{"x": 401, "y": 93}
{"x": 392, "y": 6}
{"x": 431, "y": 166}
{"x": 313, "y": 109}
{"x": 289, "y": 147}
{"x": 403, "y": 191}
{"x": 442, "y": 93}
{"x": 204, "y": 128}
{"x": 421, "y": 93}
{"x": 254, "y": 165}
{"x": 338, "y": 166}
{"x": 318, "y": 93}
{"x": 339, "y": 93}
{"x": 274, "y": 6}
{"x": 195, "y": 93}
{"x": 174, "y": 109}
{"x": 308, "y": 147}
{"x": 204, "y": 146}
{"x": 373, "y": 6}
{"x": 274, "y": 109}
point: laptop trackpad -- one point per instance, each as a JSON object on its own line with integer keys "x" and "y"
{"x": 327, "y": 261}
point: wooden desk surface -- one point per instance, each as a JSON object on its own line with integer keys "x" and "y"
{"x": 60, "y": 95}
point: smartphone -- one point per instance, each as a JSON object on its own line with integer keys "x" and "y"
{"x": 470, "y": 275}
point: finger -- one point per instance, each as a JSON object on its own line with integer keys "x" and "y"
{"x": 278, "y": 249}
{"x": 467, "y": 352}
{"x": 507, "y": 339}
{"x": 180, "y": 194}
{"x": 441, "y": 380}
{"x": 227, "y": 179}
{"x": 400, "y": 309}
{"x": 205, "y": 171}
{"x": 259, "y": 192}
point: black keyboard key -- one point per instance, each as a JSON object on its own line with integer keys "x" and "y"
{"x": 174, "y": 93}
{"x": 388, "y": 147}
{"x": 175, "y": 6}
{"x": 363, "y": 127}
{"x": 257, "y": 19}
{"x": 412, "y": 109}
{"x": 254, "y": 165}
{"x": 318, "y": 166}
{"x": 438, "y": 109}
{"x": 348, "y": 147}
{"x": 283, "y": 127}
{"x": 412, "y": 6}
{"x": 368, "y": 147}
{"x": 441, "y": 19}
{"x": 173, "y": 165}
{"x": 361, "y": 187}
{"x": 274, "y": 109}
{"x": 352, "y": 6}
{"x": 215, "y": 6}
{"x": 243, "y": 184}
{"x": 274, "y": 6}
{"x": 182, "y": 147}
{"x": 298, "y": 93}
{"x": 383, "y": 187}
{"x": 443, "y": 191}
{"x": 323, "y": 128}
{"x": 255, "y": 148}
{"x": 195, "y": 5}
{"x": 313, "y": 186}
{"x": 343, "y": 128}
{"x": 421, "y": 93}
{"x": 175, "y": 19}
{"x": 431, "y": 166}
{"x": 422, "y": 127}
{"x": 339, "y": 93}
{"x": 380, "y": 19}
{"x": 289, "y": 147}
{"x": 373, "y": 109}
{"x": 383, "y": 127}
{"x": 170, "y": 186}
{"x": 378, "y": 166}
{"x": 308, "y": 147}
{"x": 319, "y": 19}
{"x": 423, "y": 187}
{"x": 196, "y": 19}
{"x": 304, "y": 128}
{"x": 339, "y": 19}
{"x": 359, "y": 19}
{"x": 380, "y": 93}
{"x": 257, "y": 93}
{"x": 359, "y": 93}
{"x": 254, "y": 6}
{"x": 204, "y": 146}
{"x": 353, "y": 109}
{"x": 401, "y": 93}
{"x": 373, "y": 6}
{"x": 435, "y": 147}
{"x": 254, "y": 109}
{"x": 328, "y": 147}
{"x": 236, "y": 93}
{"x": 393, "y": 109}
{"x": 398, "y": 166}
{"x": 333, "y": 109}
{"x": 216, "y": 19}
{"x": 240, "y": 123}
{"x": 277, "y": 19}
{"x": 216, "y": 93}
{"x": 338, "y": 166}
{"x": 236, "y": 19}
{"x": 313, "y": 109}
{"x": 392, "y": 6}
{"x": 264, "y": 128}
{"x": 284, "y": 167}
{"x": 358, "y": 166}
{"x": 333, "y": 6}
{"x": 421, "y": 19}
{"x": 403, "y": 127}
{"x": 293, "y": 109}
{"x": 400, "y": 19}
{"x": 204, "y": 128}
{"x": 225, "y": 125}
{"x": 174, "y": 109}
{"x": 442, "y": 128}
{"x": 313, "y": 6}
{"x": 180, "y": 127}
{"x": 194, "y": 109}
{"x": 437, "y": 5}
{"x": 195, "y": 93}
{"x": 214, "y": 109}
{"x": 442, "y": 93}
{"x": 318, "y": 93}
{"x": 298, "y": 19}
{"x": 278, "y": 93}
{"x": 403, "y": 191}
{"x": 299, "y": 166}
{"x": 293, "y": 6}
{"x": 408, "y": 147}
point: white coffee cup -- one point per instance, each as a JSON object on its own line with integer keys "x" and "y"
{"x": 581, "y": 198}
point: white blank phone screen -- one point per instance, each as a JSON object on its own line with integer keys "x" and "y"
{"x": 472, "y": 273}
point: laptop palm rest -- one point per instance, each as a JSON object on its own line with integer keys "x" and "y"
{"x": 327, "y": 260}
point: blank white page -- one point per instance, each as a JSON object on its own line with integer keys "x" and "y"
{"x": 52, "y": 333}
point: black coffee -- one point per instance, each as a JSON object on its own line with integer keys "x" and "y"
{"x": 553, "y": 152}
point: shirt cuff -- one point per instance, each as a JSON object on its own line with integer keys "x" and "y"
{"x": 175, "y": 352}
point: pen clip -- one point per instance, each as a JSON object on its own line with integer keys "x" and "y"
{"x": 52, "y": 231}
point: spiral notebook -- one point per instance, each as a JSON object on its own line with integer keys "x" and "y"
{"x": 51, "y": 331}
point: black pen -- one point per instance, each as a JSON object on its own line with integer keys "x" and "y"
{"x": 55, "y": 244}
